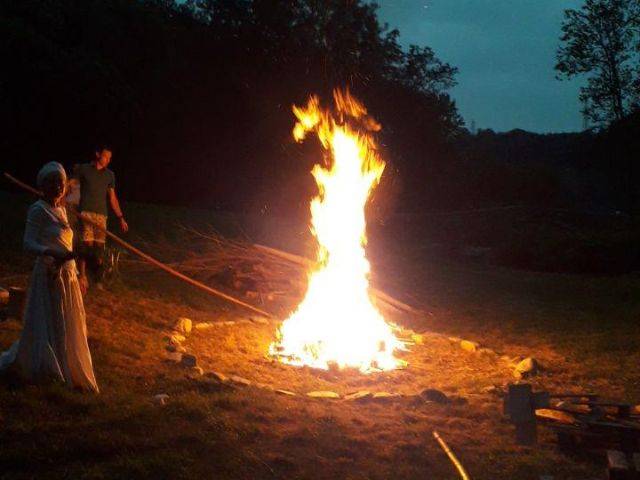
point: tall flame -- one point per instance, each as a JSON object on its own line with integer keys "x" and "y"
{"x": 336, "y": 321}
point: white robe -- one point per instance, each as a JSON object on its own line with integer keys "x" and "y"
{"x": 53, "y": 342}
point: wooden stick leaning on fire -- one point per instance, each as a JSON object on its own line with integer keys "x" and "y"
{"x": 238, "y": 263}
{"x": 150, "y": 259}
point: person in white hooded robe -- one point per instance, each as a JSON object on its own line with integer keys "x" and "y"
{"x": 53, "y": 342}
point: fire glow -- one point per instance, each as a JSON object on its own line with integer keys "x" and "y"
{"x": 336, "y": 322}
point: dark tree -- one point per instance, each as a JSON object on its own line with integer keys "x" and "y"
{"x": 196, "y": 96}
{"x": 601, "y": 41}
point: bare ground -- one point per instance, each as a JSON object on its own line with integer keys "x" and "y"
{"x": 582, "y": 329}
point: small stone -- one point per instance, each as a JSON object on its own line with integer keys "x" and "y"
{"x": 487, "y": 352}
{"x": 240, "y": 380}
{"x": 362, "y": 394}
{"x": 385, "y": 396}
{"x": 198, "y": 370}
{"x": 184, "y": 325}
{"x": 285, "y": 392}
{"x": 469, "y": 346}
{"x": 173, "y": 357}
{"x": 433, "y": 395}
{"x": 260, "y": 320}
{"x": 204, "y": 325}
{"x": 251, "y": 294}
{"x": 218, "y": 376}
{"x": 322, "y": 394}
{"x": 493, "y": 390}
{"x": 417, "y": 338}
{"x": 176, "y": 339}
{"x": 526, "y": 368}
{"x": 175, "y": 348}
{"x": 189, "y": 360}
{"x": 161, "y": 399}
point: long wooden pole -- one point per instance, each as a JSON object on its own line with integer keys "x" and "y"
{"x": 149, "y": 258}
{"x": 463, "y": 473}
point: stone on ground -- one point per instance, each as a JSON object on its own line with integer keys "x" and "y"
{"x": 322, "y": 394}
{"x": 360, "y": 395}
{"x": 219, "y": 376}
{"x": 526, "y": 368}
{"x": 189, "y": 360}
{"x": 198, "y": 370}
{"x": 173, "y": 356}
{"x": 433, "y": 395}
{"x": 176, "y": 339}
{"x": 487, "y": 352}
{"x": 260, "y": 320}
{"x": 239, "y": 380}
{"x": 493, "y": 390}
{"x": 204, "y": 325}
{"x": 469, "y": 346}
{"x": 184, "y": 325}
{"x": 175, "y": 348}
{"x": 382, "y": 396}
{"x": 285, "y": 392}
{"x": 160, "y": 399}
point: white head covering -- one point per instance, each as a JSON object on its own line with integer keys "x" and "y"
{"x": 48, "y": 169}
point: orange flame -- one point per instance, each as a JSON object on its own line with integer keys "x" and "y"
{"x": 336, "y": 322}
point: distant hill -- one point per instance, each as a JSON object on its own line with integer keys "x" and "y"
{"x": 590, "y": 170}
{"x": 520, "y": 146}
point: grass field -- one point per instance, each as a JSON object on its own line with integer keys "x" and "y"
{"x": 582, "y": 328}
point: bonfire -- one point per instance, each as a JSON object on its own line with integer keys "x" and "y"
{"x": 336, "y": 323}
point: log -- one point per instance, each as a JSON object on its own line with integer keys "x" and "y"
{"x": 560, "y": 416}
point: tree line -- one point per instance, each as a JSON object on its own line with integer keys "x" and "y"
{"x": 195, "y": 97}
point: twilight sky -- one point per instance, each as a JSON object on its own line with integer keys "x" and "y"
{"x": 505, "y": 53}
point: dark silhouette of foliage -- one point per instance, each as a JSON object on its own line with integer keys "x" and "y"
{"x": 196, "y": 96}
{"x": 602, "y": 40}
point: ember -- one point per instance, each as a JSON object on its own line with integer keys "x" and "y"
{"x": 336, "y": 323}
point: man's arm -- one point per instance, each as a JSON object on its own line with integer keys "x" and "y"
{"x": 115, "y": 206}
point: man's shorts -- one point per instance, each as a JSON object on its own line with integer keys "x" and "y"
{"x": 89, "y": 229}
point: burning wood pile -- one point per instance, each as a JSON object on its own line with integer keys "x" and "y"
{"x": 338, "y": 322}
{"x": 266, "y": 276}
